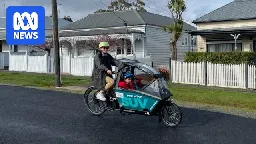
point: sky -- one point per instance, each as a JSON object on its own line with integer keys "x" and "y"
{"x": 78, "y": 9}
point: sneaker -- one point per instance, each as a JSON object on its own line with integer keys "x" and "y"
{"x": 100, "y": 96}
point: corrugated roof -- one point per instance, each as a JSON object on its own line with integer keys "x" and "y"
{"x": 132, "y": 17}
{"x": 48, "y": 22}
{"x": 236, "y": 10}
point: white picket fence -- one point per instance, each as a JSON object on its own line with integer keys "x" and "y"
{"x": 25, "y": 63}
{"x": 220, "y": 75}
{"x": 78, "y": 66}
{"x": 44, "y": 64}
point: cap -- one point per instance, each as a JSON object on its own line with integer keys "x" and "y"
{"x": 103, "y": 44}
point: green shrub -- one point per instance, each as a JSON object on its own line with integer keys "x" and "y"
{"x": 221, "y": 57}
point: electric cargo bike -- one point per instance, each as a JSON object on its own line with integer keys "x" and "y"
{"x": 153, "y": 98}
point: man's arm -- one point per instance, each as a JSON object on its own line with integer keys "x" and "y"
{"x": 99, "y": 64}
{"x": 115, "y": 62}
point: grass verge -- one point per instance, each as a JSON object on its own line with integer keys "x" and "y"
{"x": 186, "y": 93}
{"x": 215, "y": 96}
{"x": 40, "y": 80}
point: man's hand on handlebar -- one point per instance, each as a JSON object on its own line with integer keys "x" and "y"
{"x": 109, "y": 72}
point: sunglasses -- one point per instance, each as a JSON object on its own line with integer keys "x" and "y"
{"x": 105, "y": 47}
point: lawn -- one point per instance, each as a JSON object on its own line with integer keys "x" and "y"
{"x": 186, "y": 93}
{"x": 214, "y": 96}
{"x": 40, "y": 80}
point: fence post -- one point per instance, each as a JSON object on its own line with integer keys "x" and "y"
{"x": 205, "y": 73}
{"x": 27, "y": 60}
{"x": 170, "y": 70}
{"x": 246, "y": 75}
{"x": 70, "y": 63}
{"x": 46, "y": 59}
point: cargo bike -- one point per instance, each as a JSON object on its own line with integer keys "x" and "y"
{"x": 152, "y": 99}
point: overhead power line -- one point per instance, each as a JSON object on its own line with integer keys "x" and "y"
{"x": 125, "y": 23}
{"x": 163, "y": 11}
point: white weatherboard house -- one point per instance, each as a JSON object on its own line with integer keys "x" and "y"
{"x": 4, "y": 48}
{"x": 216, "y": 30}
{"x": 144, "y": 30}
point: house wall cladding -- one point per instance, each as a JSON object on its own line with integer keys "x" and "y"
{"x": 139, "y": 47}
{"x": 157, "y": 45}
{"x": 182, "y": 48}
{"x": 246, "y": 41}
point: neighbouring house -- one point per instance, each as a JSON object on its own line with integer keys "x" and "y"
{"x": 231, "y": 27}
{"x": 4, "y": 48}
{"x": 144, "y": 32}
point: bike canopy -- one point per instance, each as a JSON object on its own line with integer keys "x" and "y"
{"x": 153, "y": 82}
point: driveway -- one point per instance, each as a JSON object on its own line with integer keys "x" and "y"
{"x": 38, "y": 116}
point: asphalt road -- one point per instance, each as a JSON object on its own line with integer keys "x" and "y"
{"x": 37, "y": 116}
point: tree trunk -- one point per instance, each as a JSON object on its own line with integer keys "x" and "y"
{"x": 174, "y": 50}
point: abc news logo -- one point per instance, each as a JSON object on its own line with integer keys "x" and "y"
{"x": 25, "y": 25}
{"x": 22, "y": 31}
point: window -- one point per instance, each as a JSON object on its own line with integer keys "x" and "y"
{"x": 129, "y": 50}
{"x": 120, "y": 50}
{"x": 149, "y": 84}
{"x": 184, "y": 41}
{"x": 224, "y": 47}
{"x": 1, "y": 46}
{"x": 145, "y": 77}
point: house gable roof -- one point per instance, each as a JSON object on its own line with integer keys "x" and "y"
{"x": 48, "y": 22}
{"x": 236, "y": 10}
{"x": 48, "y": 25}
{"x": 132, "y": 18}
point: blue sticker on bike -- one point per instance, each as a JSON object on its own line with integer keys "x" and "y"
{"x": 135, "y": 100}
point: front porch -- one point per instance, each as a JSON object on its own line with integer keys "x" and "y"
{"x": 226, "y": 40}
{"x": 130, "y": 43}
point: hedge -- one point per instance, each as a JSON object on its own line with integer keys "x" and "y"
{"x": 221, "y": 57}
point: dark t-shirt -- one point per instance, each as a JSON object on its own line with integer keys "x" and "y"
{"x": 106, "y": 60}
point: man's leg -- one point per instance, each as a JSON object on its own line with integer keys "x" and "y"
{"x": 108, "y": 86}
{"x": 109, "y": 83}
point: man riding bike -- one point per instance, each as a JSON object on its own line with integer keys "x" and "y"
{"x": 102, "y": 71}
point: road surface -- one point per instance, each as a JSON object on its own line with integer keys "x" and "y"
{"x": 37, "y": 116}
